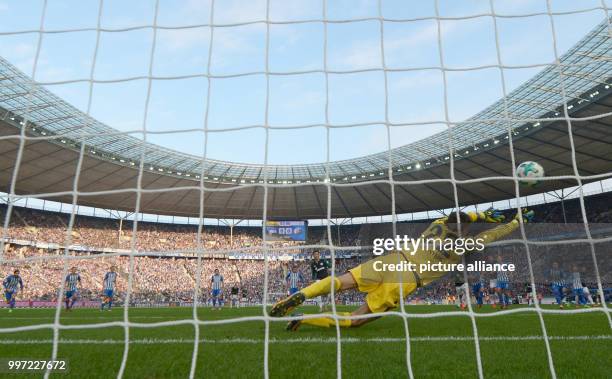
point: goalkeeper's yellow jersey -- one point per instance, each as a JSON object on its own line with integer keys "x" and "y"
{"x": 383, "y": 286}
{"x": 439, "y": 231}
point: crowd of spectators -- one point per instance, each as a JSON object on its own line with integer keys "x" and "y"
{"x": 570, "y": 258}
{"x": 153, "y": 279}
{"x": 104, "y": 233}
{"x": 174, "y": 279}
{"x": 169, "y": 277}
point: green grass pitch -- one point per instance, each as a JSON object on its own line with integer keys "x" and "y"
{"x": 511, "y": 345}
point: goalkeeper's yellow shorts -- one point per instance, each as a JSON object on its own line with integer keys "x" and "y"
{"x": 383, "y": 287}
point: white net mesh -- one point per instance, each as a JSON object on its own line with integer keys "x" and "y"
{"x": 567, "y": 70}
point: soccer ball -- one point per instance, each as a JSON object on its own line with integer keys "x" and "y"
{"x": 529, "y": 172}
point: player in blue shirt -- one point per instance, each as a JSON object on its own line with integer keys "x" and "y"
{"x": 294, "y": 280}
{"x": 110, "y": 280}
{"x": 557, "y": 283}
{"x": 73, "y": 281}
{"x": 478, "y": 289}
{"x": 217, "y": 288}
{"x": 12, "y": 284}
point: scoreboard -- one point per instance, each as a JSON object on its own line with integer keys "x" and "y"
{"x": 286, "y": 230}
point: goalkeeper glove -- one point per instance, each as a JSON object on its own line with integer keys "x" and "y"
{"x": 527, "y": 215}
{"x": 493, "y": 215}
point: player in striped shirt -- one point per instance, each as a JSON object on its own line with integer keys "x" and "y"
{"x": 217, "y": 289}
{"x": 12, "y": 284}
{"x": 110, "y": 280}
{"x": 294, "y": 280}
{"x": 557, "y": 283}
{"x": 577, "y": 287}
{"x": 503, "y": 286}
{"x": 73, "y": 281}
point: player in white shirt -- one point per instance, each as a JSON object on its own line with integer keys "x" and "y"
{"x": 587, "y": 295}
{"x": 460, "y": 291}
{"x": 586, "y": 292}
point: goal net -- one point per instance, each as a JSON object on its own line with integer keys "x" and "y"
{"x": 370, "y": 119}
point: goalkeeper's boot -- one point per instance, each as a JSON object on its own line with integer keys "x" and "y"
{"x": 293, "y": 325}
{"x": 287, "y": 305}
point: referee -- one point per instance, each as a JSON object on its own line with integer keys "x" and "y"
{"x": 320, "y": 270}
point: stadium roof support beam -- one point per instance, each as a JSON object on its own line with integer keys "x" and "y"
{"x": 69, "y": 163}
{"x": 250, "y": 199}
{"x": 46, "y": 155}
{"x": 231, "y": 223}
{"x": 346, "y": 209}
{"x": 562, "y": 198}
{"x": 544, "y": 158}
{"x": 365, "y": 200}
{"x": 182, "y": 198}
{"x": 414, "y": 197}
{"x": 432, "y": 188}
{"x": 592, "y": 78}
{"x": 497, "y": 173}
{"x": 475, "y": 195}
{"x": 162, "y": 193}
{"x": 577, "y": 151}
{"x": 383, "y": 193}
{"x": 296, "y": 204}
{"x": 316, "y": 195}
{"x": 345, "y": 221}
{"x": 594, "y": 122}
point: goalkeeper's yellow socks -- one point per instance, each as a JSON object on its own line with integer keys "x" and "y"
{"x": 326, "y": 322}
{"x": 322, "y": 287}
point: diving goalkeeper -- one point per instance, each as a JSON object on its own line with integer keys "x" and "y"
{"x": 383, "y": 288}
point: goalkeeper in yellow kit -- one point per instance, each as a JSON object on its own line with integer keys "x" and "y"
{"x": 382, "y": 288}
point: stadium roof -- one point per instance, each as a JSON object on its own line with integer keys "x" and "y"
{"x": 171, "y": 179}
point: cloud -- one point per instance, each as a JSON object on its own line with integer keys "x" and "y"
{"x": 417, "y": 80}
{"x": 236, "y": 11}
{"x": 359, "y": 55}
{"x": 22, "y": 50}
{"x": 175, "y": 40}
{"x": 290, "y": 37}
{"x": 367, "y": 53}
{"x": 233, "y": 12}
{"x": 285, "y": 10}
{"x": 426, "y": 34}
{"x": 231, "y": 46}
{"x": 20, "y": 54}
{"x": 225, "y": 12}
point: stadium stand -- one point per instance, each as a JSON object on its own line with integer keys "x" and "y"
{"x": 30, "y": 229}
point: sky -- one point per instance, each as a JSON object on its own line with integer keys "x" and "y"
{"x": 175, "y": 105}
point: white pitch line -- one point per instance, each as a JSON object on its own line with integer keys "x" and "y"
{"x": 155, "y": 341}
